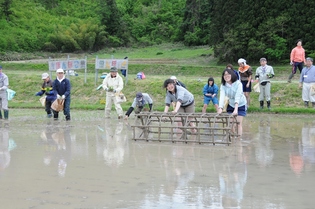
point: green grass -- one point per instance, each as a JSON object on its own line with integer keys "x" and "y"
{"x": 84, "y": 95}
{"x": 164, "y": 51}
{"x": 193, "y": 68}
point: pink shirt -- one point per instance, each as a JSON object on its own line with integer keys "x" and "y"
{"x": 297, "y": 54}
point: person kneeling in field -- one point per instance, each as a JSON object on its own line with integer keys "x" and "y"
{"x": 139, "y": 102}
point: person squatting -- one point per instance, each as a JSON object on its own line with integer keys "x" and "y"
{"x": 139, "y": 103}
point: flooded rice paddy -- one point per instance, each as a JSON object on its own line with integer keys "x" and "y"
{"x": 91, "y": 162}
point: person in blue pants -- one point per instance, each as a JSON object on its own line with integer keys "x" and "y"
{"x": 210, "y": 92}
{"x": 62, "y": 89}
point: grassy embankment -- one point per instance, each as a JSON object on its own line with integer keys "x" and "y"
{"x": 192, "y": 66}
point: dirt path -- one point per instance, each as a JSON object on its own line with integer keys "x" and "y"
{"x": 91, "y": 61}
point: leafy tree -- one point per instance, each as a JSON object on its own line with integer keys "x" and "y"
{"x": 223, "y": 15}
{"x": 49, "y": 4}
{"x": 259, "y": 28}
{"x": 196, "y": 22}
{"x": 6, "y": 8}
{"x": 81, "y": 36}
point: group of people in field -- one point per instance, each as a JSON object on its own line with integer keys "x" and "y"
{"x": 180, "y": 100}
{"x": 236, "y": 85}
{"x": 307, "y": 73}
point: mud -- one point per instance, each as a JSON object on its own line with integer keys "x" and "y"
{"x": 91, "y": 162}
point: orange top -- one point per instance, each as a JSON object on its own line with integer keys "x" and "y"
{"x": 244, "y": 69}
{"x": 297, "y": 54}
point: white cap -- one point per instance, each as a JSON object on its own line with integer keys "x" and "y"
{"x": 241, "y": 60}
{"x": 60, "y": 70}
{"x": 45, "y": 75}
{"x": 173, "y": 77}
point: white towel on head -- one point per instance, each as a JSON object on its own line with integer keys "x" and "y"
{"x": 241, "y": 60}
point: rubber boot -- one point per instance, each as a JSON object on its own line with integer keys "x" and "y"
{"x": 6, "y": 114}
{"x": 268, "y": 105}
{"x": 56, "y": 114}
{"x": 0, "y": 115}
{"x": 305, "y": 103}
{"x": 290, "y": 77}
{"x": 67, "y": 117}
{"x": 261, "y": 104}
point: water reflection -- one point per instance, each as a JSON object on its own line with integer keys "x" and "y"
{"x": 101, "y": 167}
{"x": 6, "y": 145}
{"x": 233, "y": 177}
{"x": 296, "y": 159}
{"x": 308, "y": 145}
{"x": 57, "y": 147}
{"x": 114, "y": 143}
{"x": 263, "y": 151}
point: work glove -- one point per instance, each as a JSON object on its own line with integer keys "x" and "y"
{"x": 99, "y": 87}
{"x": 63, "y": 97}
{"x": 58, "y": 96}
{"x": 37, "y": 94}
{"x": 106, "y": 89}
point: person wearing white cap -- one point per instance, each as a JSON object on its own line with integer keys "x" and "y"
{"x": 263, "y": 74}
{"x": 4, "y": 83}
{"x": 47, "y": 89}
{"x": 62, "y": 89}
{"x": 113, "y": 84}
{"x": 245, "y": 72}
{"x": 177, "y": 82}
{"x": 307, "y": 82}
{"x": 139, "y": 102}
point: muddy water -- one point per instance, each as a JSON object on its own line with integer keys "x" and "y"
{"x": 93, "y": 163}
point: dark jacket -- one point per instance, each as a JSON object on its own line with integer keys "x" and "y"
{"x": 178, "y": 83}
{"x": 47, "y": 88}
{"x": 62, "y": 88}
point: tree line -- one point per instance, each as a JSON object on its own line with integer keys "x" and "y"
{"x": 234, "y": 28}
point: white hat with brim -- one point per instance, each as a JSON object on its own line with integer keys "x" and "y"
{"x": 60, "y": 70}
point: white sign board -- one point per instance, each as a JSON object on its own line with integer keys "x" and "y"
{"x": 106, "y": 64}
{"x": 67, "y": 64}
{"x": 121, "y": 64}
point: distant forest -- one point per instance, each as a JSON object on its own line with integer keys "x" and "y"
{"x": 234, "y": 28}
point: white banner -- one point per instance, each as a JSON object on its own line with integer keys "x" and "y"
{"x": 67, "y": 64}
{"x": 121, "y": 64}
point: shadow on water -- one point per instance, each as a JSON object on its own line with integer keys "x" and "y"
{"x": 91, "y": 162}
